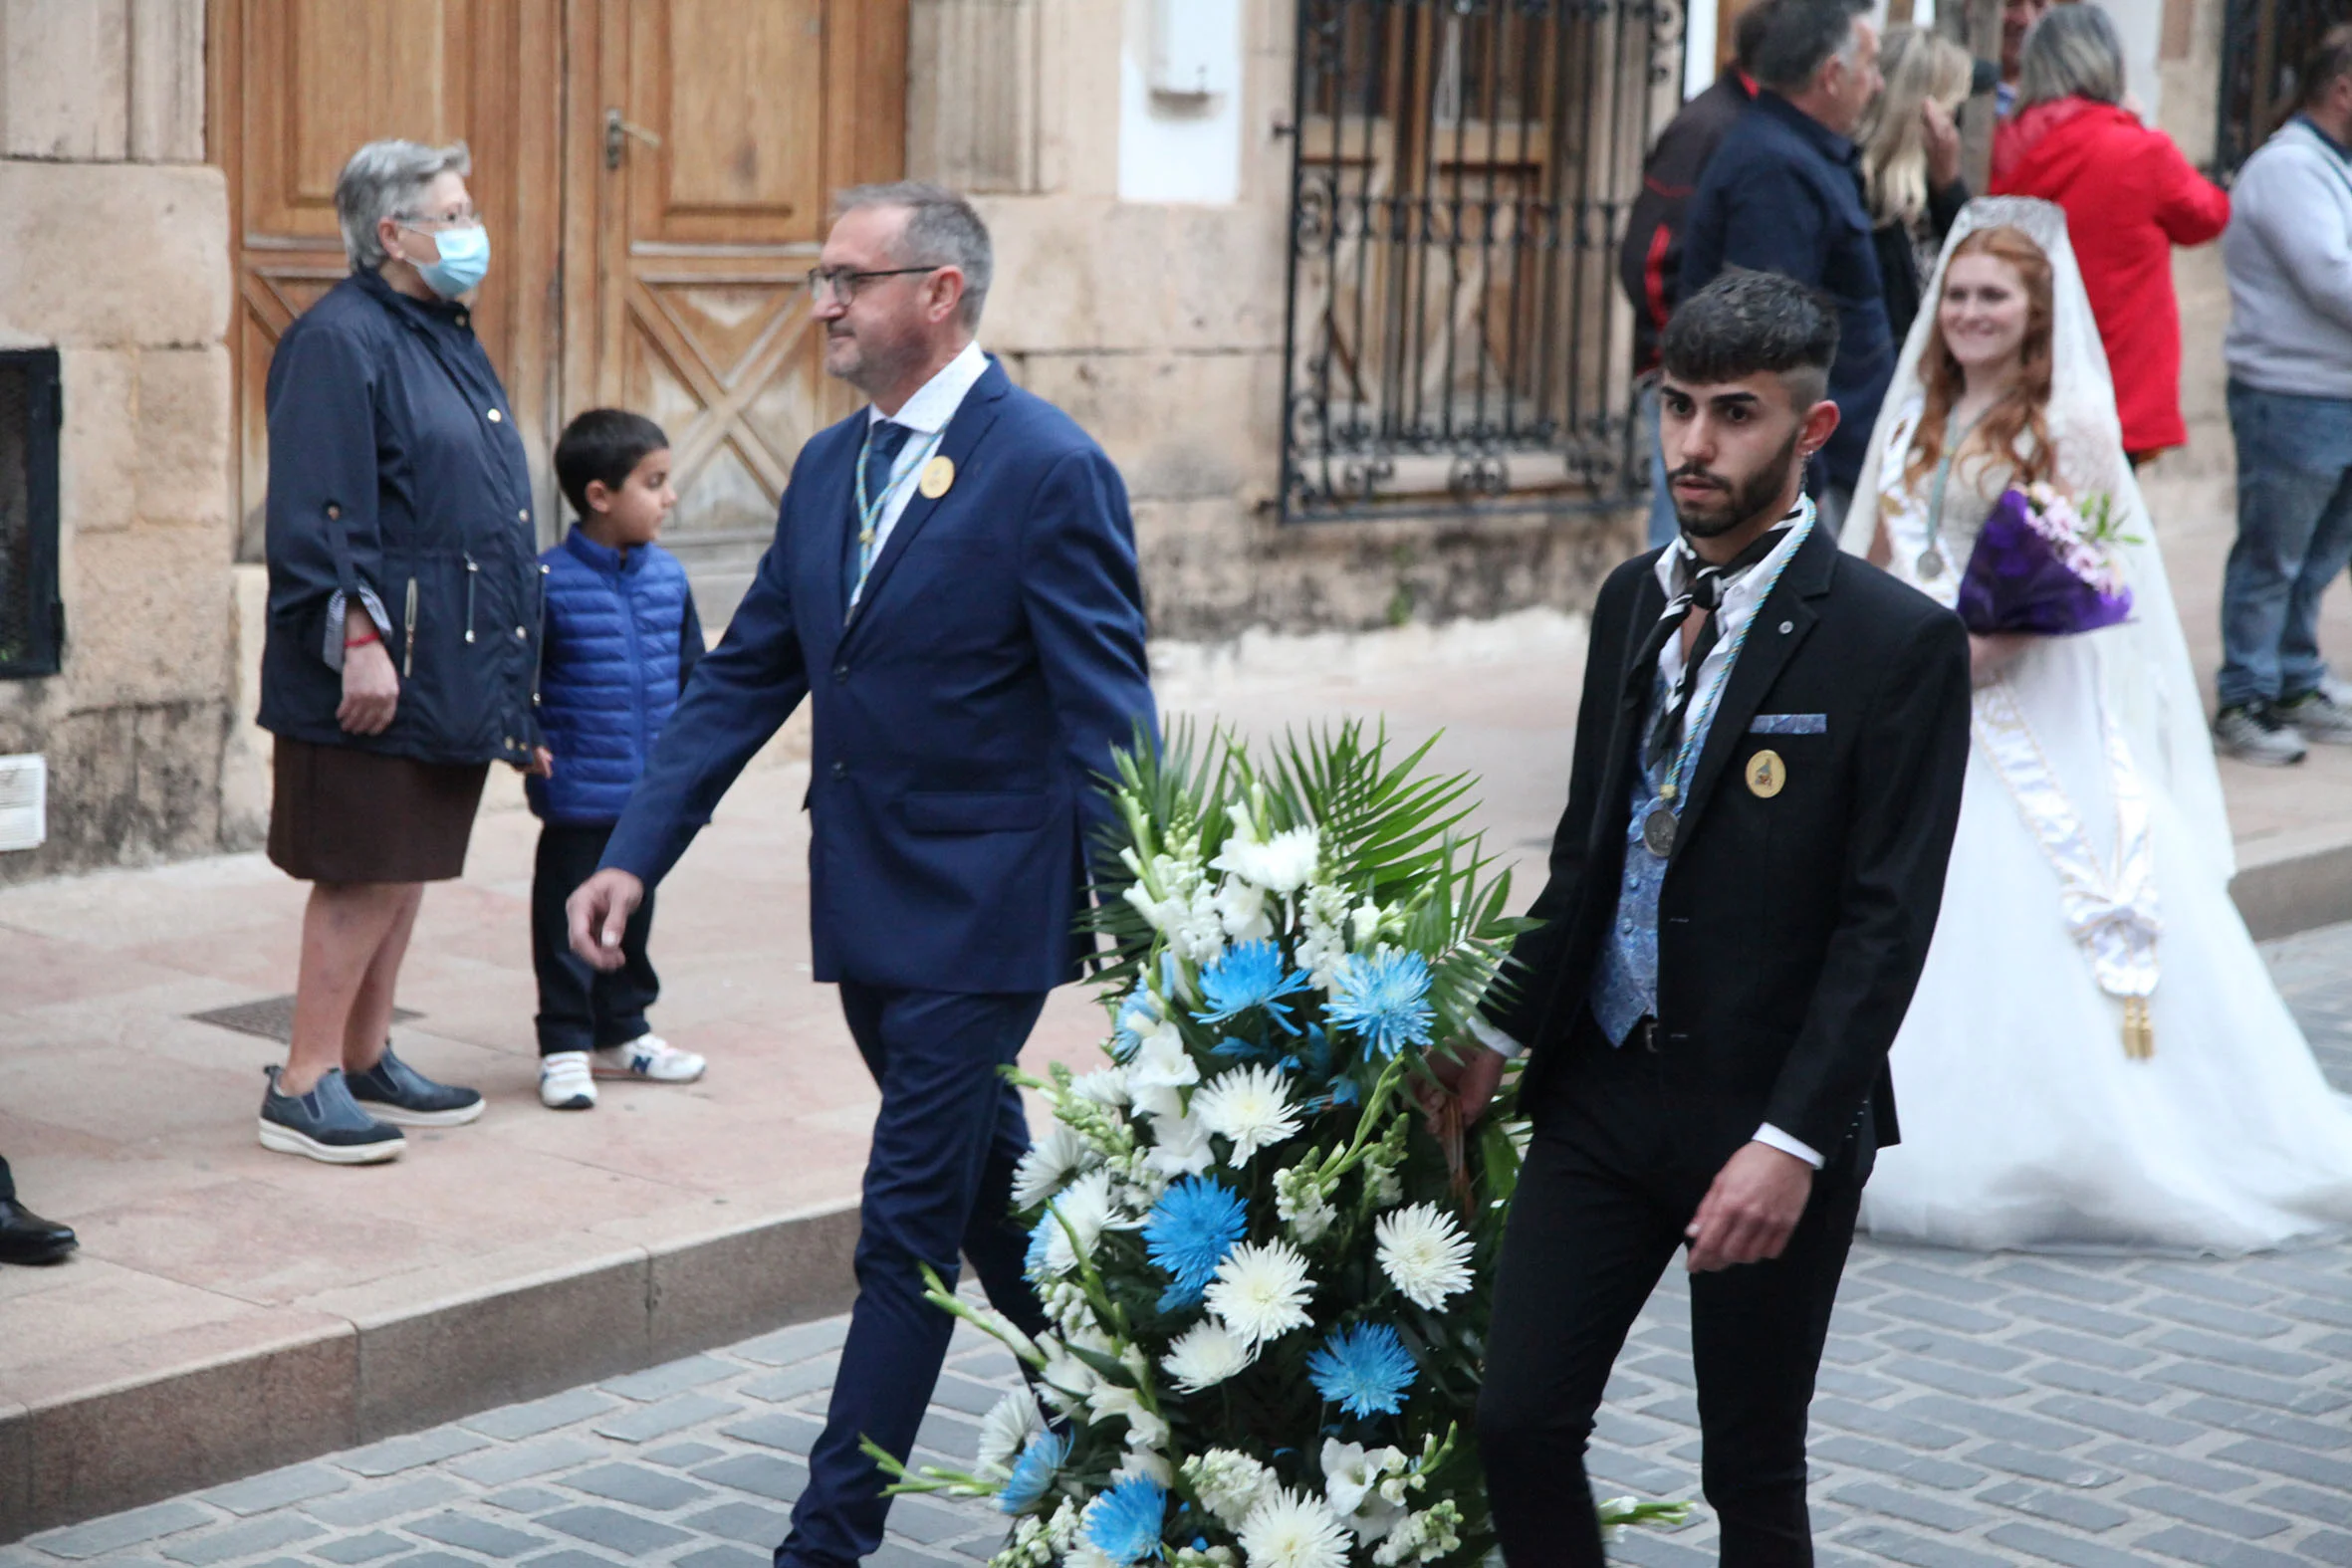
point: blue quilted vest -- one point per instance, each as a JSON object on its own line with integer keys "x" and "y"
{"x": 615, "y": 628}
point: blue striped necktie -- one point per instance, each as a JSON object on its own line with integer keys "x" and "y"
{"x": 881, "y": 454}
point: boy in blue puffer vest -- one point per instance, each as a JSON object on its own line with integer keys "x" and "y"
{"x": 620, "y": 639}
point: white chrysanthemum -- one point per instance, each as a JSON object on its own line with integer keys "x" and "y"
{"x": 1006, "y": 1429}
{"x": 1281, "y": 865}
{"x": 1179, "y": 1147}
{"x": 1205, "y": 1355}
{"x": 1294, "y": 1530}
{"x": 1261, "y": 1290}
{"x": 1424, "y": 1253}
{"x": 1228, "y": 1482}
{"x": 1161, "y": 1062}
{"x": 1251, "y": 1106}
{"x": 1104, "y": 1087}
{"x": 1241, "y": 909}
{"x": 1087, "y": 1206}
{"x": 1050, "y": 1161}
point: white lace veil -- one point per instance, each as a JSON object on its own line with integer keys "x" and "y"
{"x": 2150, "y": 684}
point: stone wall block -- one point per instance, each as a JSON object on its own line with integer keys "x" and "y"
{"x": 147, "y": 617}
{"x": 183, "y": 438}
{"x": 974, "y": 126}
{"x": 1180, "y": 426}
{"x": 65, "y": 78}
{"x": 97, "y": 453}
{"x": 113, "y": 255}
{"x": 167, "y": 81}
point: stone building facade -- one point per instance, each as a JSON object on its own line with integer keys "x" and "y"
{"x": 1145, "y": 246}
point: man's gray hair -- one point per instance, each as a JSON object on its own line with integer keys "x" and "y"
{"x": 387, "y": 180}
{"x": 1796, "y": 38}
{"x": 942, "y": 230}
{"x": 2072, "y": 51}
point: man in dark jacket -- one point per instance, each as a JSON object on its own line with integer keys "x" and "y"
{"x": 1652, "y": 251}
{"x": 1785, "y": 195}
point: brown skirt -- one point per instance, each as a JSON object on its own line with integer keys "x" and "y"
{"x": 340, "y": 815}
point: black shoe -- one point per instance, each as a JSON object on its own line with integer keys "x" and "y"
{"x": 326, "y": 1124}
{"x": 26, "y": 1237}
{"x": 395, "y": 1092}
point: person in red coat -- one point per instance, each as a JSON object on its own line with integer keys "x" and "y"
{"x": 2129, "y": 196}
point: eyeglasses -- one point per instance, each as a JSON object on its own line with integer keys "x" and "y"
{"x": 841, "y": 284}
{"x": 432, "y": 223}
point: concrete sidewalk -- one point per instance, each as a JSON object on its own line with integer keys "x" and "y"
{"x": 233, "y": 1309}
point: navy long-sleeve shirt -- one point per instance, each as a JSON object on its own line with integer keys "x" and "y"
{"x": 1783, "y": 193}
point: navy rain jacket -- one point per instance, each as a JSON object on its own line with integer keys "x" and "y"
{"x": 397, "y": 476}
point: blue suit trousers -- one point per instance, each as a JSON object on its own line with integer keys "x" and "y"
{"x": 939, "y": 1180}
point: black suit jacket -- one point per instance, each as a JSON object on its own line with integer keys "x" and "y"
{"x": 1791, "y": 930}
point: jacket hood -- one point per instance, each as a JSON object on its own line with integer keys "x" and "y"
{"x": 2048, "y": 144}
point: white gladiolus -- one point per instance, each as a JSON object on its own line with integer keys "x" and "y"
{"x": 1228, "y": 1482}
{"x": 1261, "y": 1290}
{"x": 1351, "y": 1480}
{"x": 1006, "y": 1429}
{"x": 1161, "y": 1062}
{"x": 1281, "y": 865}
{"x": 1144, "y": 1430}
{"x": 1294, "y": 1530}
{"x": 1241, "y": 908}
{"x": 1180, "y": 1147}
{"x": 1251, "y": 1107}
{"x": 1424, "y": 1253}
{"x": 1205, "y": 1355}
{"x": 1050, "y": 1161}
{"x": 1143, "y": 1464}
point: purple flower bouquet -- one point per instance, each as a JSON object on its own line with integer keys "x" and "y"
{"x": 2044, "y": 566}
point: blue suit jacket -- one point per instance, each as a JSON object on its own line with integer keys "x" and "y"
{"x": 962, "y": 714}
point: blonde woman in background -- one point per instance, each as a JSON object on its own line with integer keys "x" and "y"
{"x": 1910, "y": 159}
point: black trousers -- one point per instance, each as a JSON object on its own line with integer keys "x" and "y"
{"x": 1623, "y": 1152}
{"x": 582, "y": 1007}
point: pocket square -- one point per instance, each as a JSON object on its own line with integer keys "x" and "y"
{"x": 1789, "y": 724}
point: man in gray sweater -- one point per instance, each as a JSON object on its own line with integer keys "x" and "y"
{"x": 2288, "y": 254}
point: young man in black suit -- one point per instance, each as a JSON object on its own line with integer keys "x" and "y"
{"x": 1768, "y": 773}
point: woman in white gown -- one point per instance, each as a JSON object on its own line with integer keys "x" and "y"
{"x": 2096, "y": 1057}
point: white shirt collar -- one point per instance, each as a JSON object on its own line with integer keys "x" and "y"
{"x": 935, "y": 402}
{"x": 1669, "y": 559}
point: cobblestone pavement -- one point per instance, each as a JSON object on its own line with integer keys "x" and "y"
{"x": 2092, "y": 1412}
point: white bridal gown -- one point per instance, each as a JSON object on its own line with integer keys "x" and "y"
{"x": 2025, "y": 1122}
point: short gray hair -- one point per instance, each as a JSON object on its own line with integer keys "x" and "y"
{"x": 387, "y": 180}
{"x": 1798, "y": 37}
{"x": 942, "y": 230}
{"x": 2072, "y": 51}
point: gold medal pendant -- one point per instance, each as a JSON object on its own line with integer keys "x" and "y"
{"x": 1767, "y": 774}
{"x": 939, "y": 476}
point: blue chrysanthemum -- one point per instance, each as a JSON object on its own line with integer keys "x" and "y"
{"x": 1189, "y": 1232}
{"x": 1249, "y": 976}
{"x": 1385, "y": 998}
{"x": 1364, "y": 1370}
{"x": 1041, "y": 1240}
{"x": 1033, "y": 1471}
{"x": 1123, "y": 1524}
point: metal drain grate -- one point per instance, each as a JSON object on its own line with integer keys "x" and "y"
{"x": 272, "y": 1017}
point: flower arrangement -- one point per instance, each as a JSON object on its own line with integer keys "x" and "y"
{"x": 2046, "y": 566}
{"x": 1267, "y": 1270}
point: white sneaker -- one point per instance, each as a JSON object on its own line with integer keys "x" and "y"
{"x": 649, "y": 1060}
{"x": 564, "y": 1082}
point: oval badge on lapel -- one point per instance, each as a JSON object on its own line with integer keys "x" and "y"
{"x": 1767, "y": 774}
{"x": 938, "y": 475}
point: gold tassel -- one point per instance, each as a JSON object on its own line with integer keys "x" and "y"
{"x": 2139, "y": 1029}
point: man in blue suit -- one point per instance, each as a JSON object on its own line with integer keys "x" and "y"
{"x": 953, "y": 586}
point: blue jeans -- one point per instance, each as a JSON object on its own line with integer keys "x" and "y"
{"x": 1663, "y": 526}
{"x": 2294, "y": 534}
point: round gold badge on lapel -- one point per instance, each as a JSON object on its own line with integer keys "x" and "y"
{"x": 938, "y": 475}
{"x": 1767, "y": 774}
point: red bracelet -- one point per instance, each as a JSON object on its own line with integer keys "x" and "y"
{"x": 361, "y": 642}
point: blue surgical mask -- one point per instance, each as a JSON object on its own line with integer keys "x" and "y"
{"x": 465, "y": 257}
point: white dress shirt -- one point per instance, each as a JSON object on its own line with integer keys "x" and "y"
{"x": 926, "y": 414}
{"x": 1742, "y": 597}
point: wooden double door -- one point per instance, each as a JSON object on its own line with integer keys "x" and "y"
{"x": 655, "y": 177}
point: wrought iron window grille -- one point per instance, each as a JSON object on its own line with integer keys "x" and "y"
{"x": 32, "y": 408}
{"x": 1454, "y": 337}
{"x": 2263, "y": 46}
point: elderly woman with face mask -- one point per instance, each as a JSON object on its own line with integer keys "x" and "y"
{"x": 403, "y": 631}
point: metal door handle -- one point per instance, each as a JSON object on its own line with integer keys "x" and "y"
{"x": 619, "y": 127}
